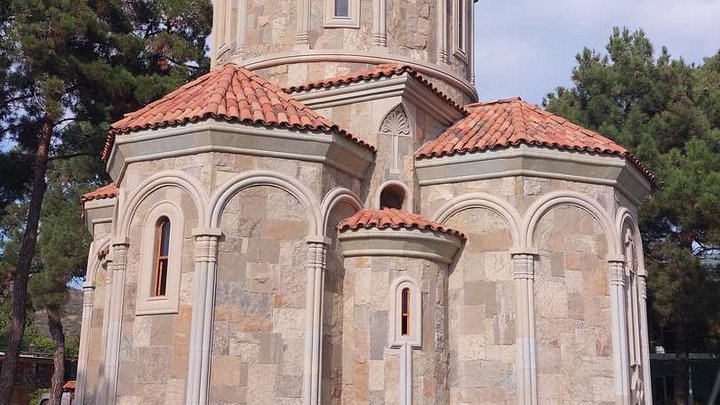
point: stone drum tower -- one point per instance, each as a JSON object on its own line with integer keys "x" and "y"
{"x": 330, "y": 216}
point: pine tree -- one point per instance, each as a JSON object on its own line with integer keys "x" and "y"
{"x": 73, "y": 67}
{"x": 668, "y": 113}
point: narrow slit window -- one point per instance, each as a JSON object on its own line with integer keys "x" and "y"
{"x": 342, "y": 8}
{"x": 461, "y": 24}
{"x": 405, "y": 314}
{"x": 162, "y": 248}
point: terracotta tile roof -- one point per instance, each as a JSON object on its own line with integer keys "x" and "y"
{"x": 372, "y": 73}
{"x": 230, "y": 93}
{"x": 395, "y": 219}
{"x": 511, "y": 122}
{"x": 108, "y": 191}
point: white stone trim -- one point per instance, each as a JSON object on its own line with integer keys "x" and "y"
{"x": 145, "y": 303}
{"x": 524, "y": 280}
{"x": 302, "y": 33}
{"x": 409, "y": 198}
{"x": 379, "y": 23}
{"x": 254, "y": 178}
{"x": 337, "y": 196}
{"x": 529, "y": 161}
{"x": 619, "y": 330}
{"x": 206, "y": 242}
{"x": 351, "y": 21}
{"x": 485, "y": 201}
{"x": 88, "y": 301}
{"x": 219, "y": 136}
{"x": 548, "y": 201}
{"x": 442, "y": 37}
{"x": 414, "y": 243}
{"x": 241, "y": 34}
{"x": 169, "y": 178}
{"x": 368, "y": 57}
{"x": 461, "y": 51}
{"x": 395, "y": 338}
{"x": 117, "y": 295}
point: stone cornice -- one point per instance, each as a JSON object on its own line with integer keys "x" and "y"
{"x": 218, "y": 136}
{"x": 98, "y": 212}
{"x": 402, "y": 85}
{"x": 414, "y": 243}
{"x": 523, "y": 160}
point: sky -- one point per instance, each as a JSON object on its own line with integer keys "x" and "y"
{"x": 527, "y": 47}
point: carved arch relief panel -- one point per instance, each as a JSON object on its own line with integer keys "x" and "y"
{"x": 396, "y": 125}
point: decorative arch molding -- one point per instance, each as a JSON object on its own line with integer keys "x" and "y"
{"x": 336, "y": 196}
{"x": 547, "y": 202}
{"x": 625, "y": 220}
{"x": 484, "y": 201}
{"x": 95, "y": 263}
{"x": 255, "y": 178}
{"x": 171, "y": 178}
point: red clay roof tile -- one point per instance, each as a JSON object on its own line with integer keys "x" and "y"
{"x": 230, "y": 93}
{"x": 372, "y": 73}
{"x": 108, "y": 191}
{"x": 394, "y": 219}
{"x": 510, "y": 122}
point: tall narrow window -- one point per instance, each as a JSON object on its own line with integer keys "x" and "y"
{"x": 461, "y": 25}
{"x": 342, "y": 8}
{"x": 405, "y": 315}
{"x": 162, "y": 248}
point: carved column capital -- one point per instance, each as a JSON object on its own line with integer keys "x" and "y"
{"x": 617, "y": 272}
{"x": 523, "y": 266}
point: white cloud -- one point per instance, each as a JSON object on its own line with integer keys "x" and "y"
{"x": 527, "y": 47}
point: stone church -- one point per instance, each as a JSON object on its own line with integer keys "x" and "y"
{"x": 330, "y": 216}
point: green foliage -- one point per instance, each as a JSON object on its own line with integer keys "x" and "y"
{"x": 76, "y": 66}
{"x": 668, "y": 113}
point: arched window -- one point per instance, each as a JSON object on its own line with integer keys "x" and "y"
{"x": 392, "y": 196}
{"x": 162, "y": 253}
{"x": 405, "y": 315}
{"x": 161, "y": 259}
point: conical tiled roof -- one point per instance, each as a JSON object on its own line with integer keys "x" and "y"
{"x": 230, "y": 93}
{"x": 511, "y": 122}
{"x": 395, "y": 219}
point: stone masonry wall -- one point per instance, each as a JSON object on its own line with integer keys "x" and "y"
{"x": 482, "y": 312}
{"x": 154, "y": 348}
{"x": 572, "y": 309}
{"x": 371, "y": 368}
{"x": 260, "y": 308}
{"x": 573, "y": 327}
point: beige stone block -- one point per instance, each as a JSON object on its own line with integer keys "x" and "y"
{"x": 141, "y": 331}
{"x": 261, "y": 384}
{"x": 175, "y": 391}
{"x": 293, "y": 356}
{"x": 377, "y": 375}
{"x": 550, "y": 299}
{"x": 290, "y": 322}
{"x": 472, "y": 319}
{"x": 472, "y": 347}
